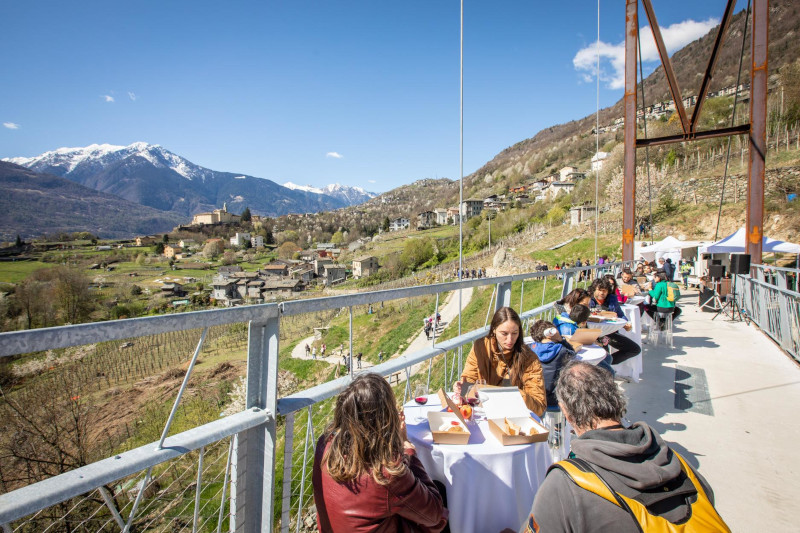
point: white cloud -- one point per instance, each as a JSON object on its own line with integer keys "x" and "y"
{"x": 612, "y": 56}
{"x": 371, "y": 181}
{"x": 108, "y": 98}
{"x": 335, "y": 155}
{"x": 11, "y": 125}
{"x": 132, "y": 96}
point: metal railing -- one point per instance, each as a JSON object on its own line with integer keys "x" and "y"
{"x": 768, "y": 302}
{"x": 122, "y": 492}
{"x": 783, "y": 278}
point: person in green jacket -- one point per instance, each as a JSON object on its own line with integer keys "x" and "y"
{"x": 663, "y": 296}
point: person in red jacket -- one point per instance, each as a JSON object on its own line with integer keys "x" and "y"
{"x": 367, "y": 477}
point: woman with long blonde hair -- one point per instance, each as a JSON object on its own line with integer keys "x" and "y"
{"x": 366, "y": 475}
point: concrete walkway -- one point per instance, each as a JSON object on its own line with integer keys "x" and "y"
{"x": 726, "y": 398}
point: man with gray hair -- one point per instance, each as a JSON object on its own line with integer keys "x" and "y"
{"x": 620, "y": 479}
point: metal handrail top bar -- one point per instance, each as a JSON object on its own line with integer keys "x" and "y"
{"x": 29, "y": 499}
{"x": 772, "y": 267}
{"x": 34, "y": 340}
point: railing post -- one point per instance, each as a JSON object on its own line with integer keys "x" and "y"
{"x": 569, "y": 281}
{"x": 256, "y": 446}
{"x": 503, "y": 295}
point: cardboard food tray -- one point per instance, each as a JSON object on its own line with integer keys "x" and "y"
{"x": 584, "y": 336}
{"x": 627, "y": 290}
{"x": 437, "y": 418}
{"x": 528, "y": 425}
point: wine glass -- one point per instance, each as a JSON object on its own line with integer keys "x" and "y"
{"x": 476, "y": 400}
{"x": 421, "y": 394}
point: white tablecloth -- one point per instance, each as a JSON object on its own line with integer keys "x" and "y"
{"x": 591, "y": 354}
{"x": 632, "y": 368}
{"x": 489, "y": 486}
{"x": 608, "y": 326}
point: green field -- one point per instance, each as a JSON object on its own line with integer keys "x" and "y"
{"x": 16, "y": 271}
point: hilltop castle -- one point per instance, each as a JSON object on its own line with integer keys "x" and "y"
{"x": 217, "y": 216}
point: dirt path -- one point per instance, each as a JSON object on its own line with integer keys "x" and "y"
{"x": 449, "y": 312}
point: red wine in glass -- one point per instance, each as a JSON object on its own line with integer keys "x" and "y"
{"x": 422, "y": 400}
{"x": 472, "y": 401}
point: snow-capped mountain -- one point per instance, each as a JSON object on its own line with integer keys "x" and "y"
{"x": 65, "y": 161}
{"x": 349, "y": 195}
{"x": 307, "y": 188}
{"x": 153, "y": 176}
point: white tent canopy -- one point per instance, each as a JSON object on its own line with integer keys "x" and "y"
{"x": 669, "y": 247}
{"x": 735, "y": 243}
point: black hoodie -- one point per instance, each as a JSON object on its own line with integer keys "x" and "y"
{"x": 636, "y": 463}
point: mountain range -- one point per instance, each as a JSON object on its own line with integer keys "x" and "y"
{"x": 152, "y": 176}
{"x": 33, "y": 204}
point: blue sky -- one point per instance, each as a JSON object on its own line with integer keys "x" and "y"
{"x": 362, "y": 93}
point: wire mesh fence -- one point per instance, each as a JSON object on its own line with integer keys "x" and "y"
{"x": 175, "y": 499}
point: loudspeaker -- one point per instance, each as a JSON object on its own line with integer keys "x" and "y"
{"x": 740, "y": 263}
{"x": 716, "y": 271}
{"x": 716, "y": 261}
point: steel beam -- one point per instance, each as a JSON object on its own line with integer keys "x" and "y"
{"x": 629, "y": 183}
{"x": 741, "y": 129}
{"x": 758, "y": 130}
{"x": 701, "y": 96}
{"x": 672, "y": 81}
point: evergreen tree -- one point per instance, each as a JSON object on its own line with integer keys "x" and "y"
{"x": 246, "y": 217}
{"x": 18, "y": 242}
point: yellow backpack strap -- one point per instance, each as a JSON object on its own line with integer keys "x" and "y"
{"x": 583, "y": 475}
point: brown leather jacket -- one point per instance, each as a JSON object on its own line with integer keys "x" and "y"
{"x": 409, "y": 503}
{"x": 485, "y": 362}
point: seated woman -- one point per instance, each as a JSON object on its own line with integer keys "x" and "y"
{"x": 565, "y": 305}
{"x": 553, "y": 352}
{"x": 501, "y": 358}
{"x": 612, "y": 281}
{"x": 366, "y": 474}
{"x": 603, "y": 300}
{"x": 659, "y": 296}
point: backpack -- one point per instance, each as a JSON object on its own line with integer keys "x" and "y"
{"x": 673, "y": 292}
{"x": 703, "y": 516}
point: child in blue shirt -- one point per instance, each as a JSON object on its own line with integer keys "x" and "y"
{"x": 553, "y": 352}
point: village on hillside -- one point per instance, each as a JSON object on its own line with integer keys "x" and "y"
{"x": 319, "y": 266}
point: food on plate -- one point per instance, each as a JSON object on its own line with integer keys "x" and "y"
{"x": 453, "y": 426}
{"x": 511, "y": 428}
{"x": 466, "y": 411}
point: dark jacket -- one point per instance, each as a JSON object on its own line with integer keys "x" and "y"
{"x": 669, "y": 269}
{"x": 636, "y": 463}
{"x": 409, "y": 503}
{"x": 610, "y": 304}
{"x": 553, "y": 356}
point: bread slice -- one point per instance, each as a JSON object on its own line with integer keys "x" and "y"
{"x": 510, "y": 427}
